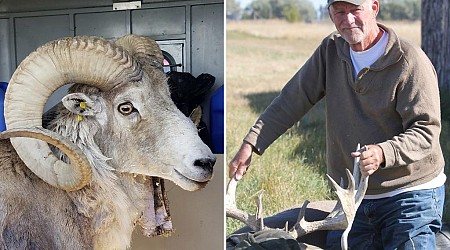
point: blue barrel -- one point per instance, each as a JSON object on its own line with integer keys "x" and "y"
{"x": 217, "y": 121}
{"x": 3, "y": 86}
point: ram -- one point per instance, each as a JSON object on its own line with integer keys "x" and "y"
{"x": 98, "y": 168}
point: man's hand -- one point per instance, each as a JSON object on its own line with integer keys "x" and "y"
{"x": 241, "y": 161}
{"x": 370, "y": 159}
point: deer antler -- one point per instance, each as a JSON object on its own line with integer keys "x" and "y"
{"x": 340, "y": 218}
{"x": 255, "y": 222}
{"x": 343, "y": 213}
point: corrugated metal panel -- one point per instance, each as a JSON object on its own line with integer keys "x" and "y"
{"x": 192, "y": 31}
{"x": 32, "y": 32}
{"x": 9, "y": 6}
{"x": 108, "y": 25}
{"x": 207, "y": 40}
{"x": 207, "y": 46}
{"x": 33, "y": 5}
{"x": 5, "y": 55}
{"x": 159, "y": 22}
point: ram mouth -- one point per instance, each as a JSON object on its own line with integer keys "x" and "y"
{"x": 189, "y": 183}
{"x": 155, "y": 219}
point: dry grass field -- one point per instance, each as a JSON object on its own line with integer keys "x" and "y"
{"x": 261, "y": 57}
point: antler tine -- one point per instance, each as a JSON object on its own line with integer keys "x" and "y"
{"x": 362, "y": 185}
{"x": 346, "y": 196}
{"x": 231, "y": 192}
{"x": 335, "y": 222}
{"x": 259, "y": 212}
{"x": 362, "y": 188}
{"x": 356, "y": 171}
{"x": 342, "y": 216}
{"x": 299, "y": 227}
{"x": 235, "y": 213}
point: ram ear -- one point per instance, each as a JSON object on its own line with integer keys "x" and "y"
{"x": 80, "y": 104}
{"x": 196, "y": 115}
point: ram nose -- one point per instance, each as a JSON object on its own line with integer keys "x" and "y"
{"x": 206, "y": 164}
{"x": 198, "y": 169}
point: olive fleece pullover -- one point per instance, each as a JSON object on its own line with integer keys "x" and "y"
{"x": 394, "y": 103}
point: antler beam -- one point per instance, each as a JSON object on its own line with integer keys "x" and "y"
{"x": 255, "y": 222}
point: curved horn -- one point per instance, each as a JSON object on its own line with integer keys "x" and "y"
{"x": 57, "y": 175}
{"x": 88, "y": 60}
{"x": 144, "y": 49}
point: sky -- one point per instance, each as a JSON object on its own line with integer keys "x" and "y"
{"x": 316, "y": 3}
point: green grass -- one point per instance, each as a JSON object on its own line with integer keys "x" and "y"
{"x": 261, "y": 57}
{"x": 287, "y": 177}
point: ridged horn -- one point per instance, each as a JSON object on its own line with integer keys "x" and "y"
{"x": 88, "y": 60}
{"x": 59, "y": 173}
{"x": 144, "y": 49}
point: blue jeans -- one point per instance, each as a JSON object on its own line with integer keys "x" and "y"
{"x": 405, "y": 221}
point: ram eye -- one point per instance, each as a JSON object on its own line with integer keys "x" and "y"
{"x": 126, "y": 108}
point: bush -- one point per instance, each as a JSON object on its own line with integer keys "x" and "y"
{"x": 400, "y": 10}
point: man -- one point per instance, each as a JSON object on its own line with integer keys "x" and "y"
{"x": 381, "y": 92}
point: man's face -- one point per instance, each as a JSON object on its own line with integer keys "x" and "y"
{"x": 354, "y": 22}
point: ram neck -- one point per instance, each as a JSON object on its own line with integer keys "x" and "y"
{"x": 104, "y": 202}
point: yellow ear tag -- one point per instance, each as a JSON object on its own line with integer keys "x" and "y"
{"x": 83, "y": 106}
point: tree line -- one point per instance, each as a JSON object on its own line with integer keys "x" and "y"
{"x": 304, "y": 11}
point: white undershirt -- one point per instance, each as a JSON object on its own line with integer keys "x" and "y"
{"x": 364, "y": 59}
{"x": 434, "y": 183}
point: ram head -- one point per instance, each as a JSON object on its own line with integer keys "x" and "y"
{"x": 114, "y": 139}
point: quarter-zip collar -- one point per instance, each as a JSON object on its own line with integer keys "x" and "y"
{"x": 392, "y": 54}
